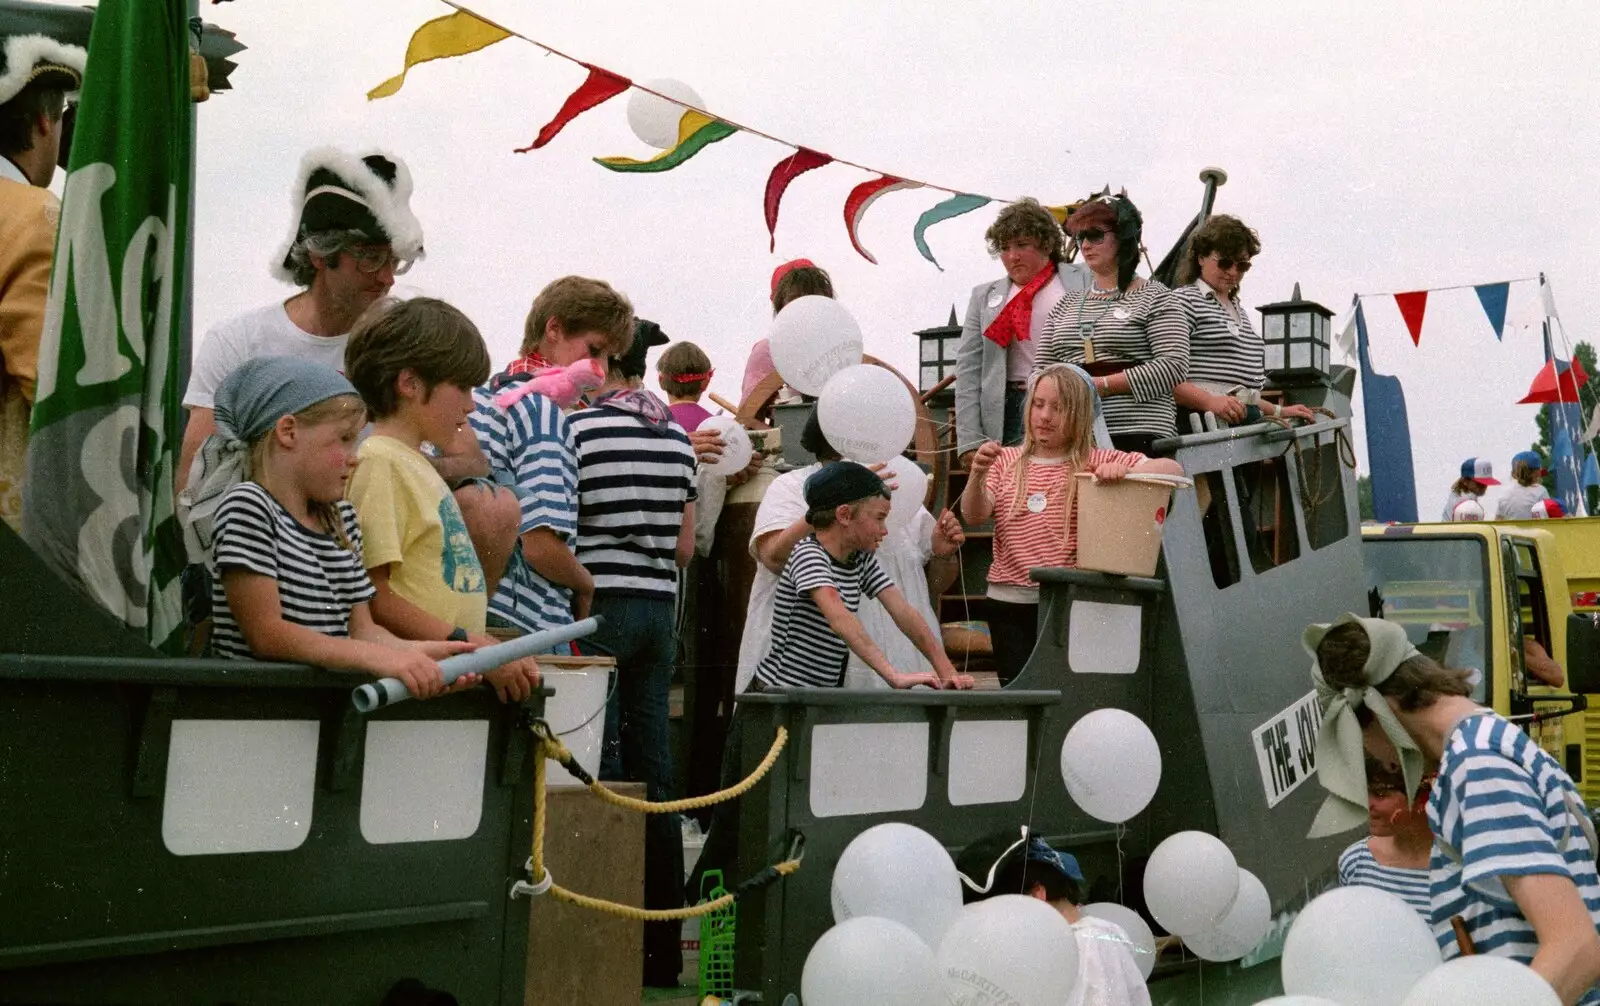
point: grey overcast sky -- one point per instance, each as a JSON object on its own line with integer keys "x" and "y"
{"x": 1375, "y": 147}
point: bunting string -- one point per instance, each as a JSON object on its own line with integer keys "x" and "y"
{"x": 1492, "y": 297}
{"x": 467, "y": 31}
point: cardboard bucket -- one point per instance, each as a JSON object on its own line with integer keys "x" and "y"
{"x": 577, "y": 710}
{"x": 1119, "y": 523}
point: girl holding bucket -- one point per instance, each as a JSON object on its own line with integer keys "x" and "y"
{"x": 1030, "y": 492}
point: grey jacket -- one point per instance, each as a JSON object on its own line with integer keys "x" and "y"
{"x": 981, "y": 365}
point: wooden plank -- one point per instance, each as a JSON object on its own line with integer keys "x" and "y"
{"x": 576, "y": 955}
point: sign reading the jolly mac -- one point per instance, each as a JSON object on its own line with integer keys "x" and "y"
{"x": 98, "y": 497}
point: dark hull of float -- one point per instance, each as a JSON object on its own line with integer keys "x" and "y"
{"x": 1211, "y": 660}
{"x": 206, "y": 831}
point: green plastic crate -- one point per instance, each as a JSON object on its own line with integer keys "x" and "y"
{"x": 716, "y": 940}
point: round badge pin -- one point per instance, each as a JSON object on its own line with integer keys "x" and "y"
{"x": 1036, "y": 503}
{"x": 994, "y": 298}
{"x": 1121, "y": 313}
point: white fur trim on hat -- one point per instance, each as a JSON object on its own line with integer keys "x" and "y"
{"x": 391, "y": 206}
{"x": 24, "y": 53}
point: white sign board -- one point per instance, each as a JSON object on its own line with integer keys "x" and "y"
{"x": 1286, "y": 748}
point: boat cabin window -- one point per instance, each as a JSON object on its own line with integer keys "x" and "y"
{"x": 1437, "y": 589}
{"x": 1322, "y": 494}
{"x": 1221, "y": 549}
{"x": 1266, "y": 511}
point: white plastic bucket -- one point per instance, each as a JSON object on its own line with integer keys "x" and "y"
{"x": 1120, "y": 523}
{"x": 577, "y": 713}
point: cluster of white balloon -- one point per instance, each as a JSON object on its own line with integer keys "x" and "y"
{"x": 1359, "y": 946}
{"x": 866, "y": 412}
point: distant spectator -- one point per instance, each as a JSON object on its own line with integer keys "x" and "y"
{"x": 684, "y": 372}
{"x": 794, "y": 279}
{"x": 1477, "y": 475}
{"x": 1518, "y": 501}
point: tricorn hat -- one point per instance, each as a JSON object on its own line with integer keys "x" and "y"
{"x": 27, "y": 58}
{"x": 338, "y": 191}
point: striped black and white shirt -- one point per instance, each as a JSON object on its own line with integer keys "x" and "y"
{"x": 806, "y": 652}
{"x": 1358, "y": 867}
{"x": 319, "y": 580}
{"x": 1222, "y": 350}
{"x": 529, "y": 448}
{"x": 1145, "y": 328}
{"x": 635, "y": 476}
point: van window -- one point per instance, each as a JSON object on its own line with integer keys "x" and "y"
{"x": 1437, "y": 588}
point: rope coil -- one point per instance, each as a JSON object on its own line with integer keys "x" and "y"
{"x": 550, "y": 748}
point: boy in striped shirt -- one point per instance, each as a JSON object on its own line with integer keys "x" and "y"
{"x": 814, "y": 623}
{"x": 1514, "y": 849}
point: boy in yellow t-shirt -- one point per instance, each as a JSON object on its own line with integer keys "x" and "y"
{"x": 415, "y": 363}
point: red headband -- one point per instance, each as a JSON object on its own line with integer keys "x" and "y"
{"x": 690, "y": 378}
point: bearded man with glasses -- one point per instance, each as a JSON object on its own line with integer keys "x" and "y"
{"x": 353, "y": 233}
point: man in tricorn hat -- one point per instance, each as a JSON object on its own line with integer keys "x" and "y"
{"x": 353, "y": 231}
{"x": 37, "y": 73}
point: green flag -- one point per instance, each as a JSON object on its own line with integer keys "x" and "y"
{"x": 97, "y": 499}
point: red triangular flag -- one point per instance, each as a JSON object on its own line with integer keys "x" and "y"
{"x": 1412, "y": 305}
{"x": 600, "y": 86}
{"x": 784, "y": 172}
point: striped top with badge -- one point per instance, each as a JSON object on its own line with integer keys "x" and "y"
{"x": 1224, "y": 350}
{"x": 1145, "y": 329}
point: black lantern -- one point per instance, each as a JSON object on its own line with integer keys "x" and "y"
{"x": 936, "y": 353}
{"x": 1294, "y": 333}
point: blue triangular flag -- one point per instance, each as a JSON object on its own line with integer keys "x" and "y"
{"x": 1493, "y": 298}
{"x": 1591, "y": 472}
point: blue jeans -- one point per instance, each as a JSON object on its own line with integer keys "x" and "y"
{"x": 1016, "y": 406}
{"x": 641, "y": 634}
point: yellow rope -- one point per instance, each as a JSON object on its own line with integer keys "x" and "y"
{"x": 550, "y": 747}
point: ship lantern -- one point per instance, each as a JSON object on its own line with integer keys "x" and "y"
{"x": 936, "y": 353}
{"x": 1295, "y": 335}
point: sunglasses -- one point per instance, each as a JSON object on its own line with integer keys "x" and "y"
{"x": 1225, "y": 264}
{"x": 1090, "y": 236}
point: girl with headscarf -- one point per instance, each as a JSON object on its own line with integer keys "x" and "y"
{"x": 1514, "y": 846}
{"x": 265, "y": 510}
{"x": 1032, "y": 495}
{"x": 1127, "y": 332}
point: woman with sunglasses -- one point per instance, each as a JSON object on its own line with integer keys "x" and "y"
{"x": 1127, "y": 332}
{"x": 1225, "y": 353}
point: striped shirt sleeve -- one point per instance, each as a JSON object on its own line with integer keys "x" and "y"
{"x": 1504, "y": 829}
{"x": 352, "y": 532}
{"x": 546, "y": 466}
{"x": 1167, "y": 328}
{"x": 874, "y": 578}
{"x": 809, "y": 567}
{"x": 246, "y": 532}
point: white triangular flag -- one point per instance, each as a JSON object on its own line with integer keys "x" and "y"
{"x": 1594, "y": 427}
{"x": 1549, "y": 299}
{"x": 1346, "y": 339}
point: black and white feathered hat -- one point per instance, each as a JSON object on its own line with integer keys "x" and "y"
{"x": 340, "y": 191}
{"x": 27, "y": 58}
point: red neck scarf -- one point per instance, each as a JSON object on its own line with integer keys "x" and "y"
{"x": 1014, "y": 320}
{"x": 532, "y": 363}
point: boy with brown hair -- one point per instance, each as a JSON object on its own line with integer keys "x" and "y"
{"x": 684, "y": 372}
{"x": 529, "y": 449}
{"x": 415, "y": 364}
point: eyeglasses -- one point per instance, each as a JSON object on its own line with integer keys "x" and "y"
{"x": 372, "y": 258}
{"x": 1090, "y": 236}
{"x": 1224, "y": 264}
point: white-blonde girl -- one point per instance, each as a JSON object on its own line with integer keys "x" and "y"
{"x": 1032, "y": 495}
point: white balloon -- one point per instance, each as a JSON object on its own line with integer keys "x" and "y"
{"x": 869, "y": 960}
{"x": 812, "y": 339}
{"x": 736, "y": 447}
{"x": 867, "y": 413}
{"x": 655, "y": 120}
{"x": 1142, "y": 940}
{"x": 1009, "y": 949}
{"x": 1190, "y": 882}
{"x": 1359, "y": 946}
{"x": 1297, "y": 1001}
{"x": 1238, "y": 932}
{"x": 1111, "y": 764}
{"x": 911, "y": 488}
{"x": 896, "y": 871}
{"x": 1482, "y": 980}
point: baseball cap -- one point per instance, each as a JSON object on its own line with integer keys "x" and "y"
{"x": 647, "y": 335}
{"x": 991, "y": 857}
{"x": 1479, "y": 470}
{"x": 1467, "y": 510}
{"x": 1548, "y": 508}
{"x": 1529, "y": 458}
{"x": 842, "y": 482}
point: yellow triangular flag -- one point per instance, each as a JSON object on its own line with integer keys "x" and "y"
{"x": 452, "y": 35}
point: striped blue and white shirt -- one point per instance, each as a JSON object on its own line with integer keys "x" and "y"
{"x": 636, "y": 474}
{"x": 1359, "y": 868}
{"x": 529, "y": 447}
{"x": 806, "y": 652}
{"x": 1223, "y": 348}
{"x": 1506, "y": 809}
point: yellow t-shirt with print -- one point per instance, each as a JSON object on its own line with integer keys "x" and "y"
{"x": 410, "y": 522}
